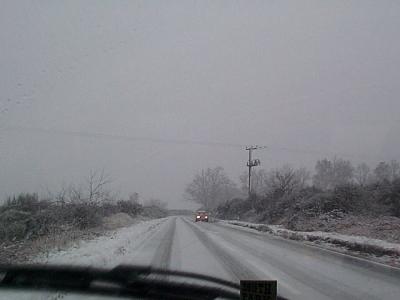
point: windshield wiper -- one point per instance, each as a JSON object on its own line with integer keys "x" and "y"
{"x": 122, "y": 281}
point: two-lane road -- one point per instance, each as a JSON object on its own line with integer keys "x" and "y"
{"x": 303, "y": 272}
{"x": 233, "y": 253}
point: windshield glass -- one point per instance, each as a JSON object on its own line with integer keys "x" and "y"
{"x": 242, "y": 140}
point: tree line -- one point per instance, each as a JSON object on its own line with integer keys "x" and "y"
{"x": 213, "y": 187}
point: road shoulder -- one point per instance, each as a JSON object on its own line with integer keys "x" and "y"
{"x": 371, "y": 250}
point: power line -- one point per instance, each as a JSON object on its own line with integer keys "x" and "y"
{"x": 122, "y": 137}
{"x": 97, "y": 135}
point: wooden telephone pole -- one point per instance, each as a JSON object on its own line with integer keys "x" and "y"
{"x": 251, "y": 163}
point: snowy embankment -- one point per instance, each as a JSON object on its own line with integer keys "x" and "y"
{"x": 356, "y": 244}
{"x": 107, "y": 251}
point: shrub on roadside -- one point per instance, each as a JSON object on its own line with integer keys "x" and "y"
{"x": 395, "y": 197}
{"x": 233, "y": 209}
{"x": 27, "y": 217}
{"x": 132, "y": 208}
{"x": 315, "y": 209}
{"x": 13, "y": 224}
{"x": 84, "y": 215}
{"x": 154, "y": 212}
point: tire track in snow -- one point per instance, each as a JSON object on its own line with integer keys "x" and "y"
{"x": 162, "y": 256}
{"x": 305, "y": 277}
{"x": 228, "y": 261}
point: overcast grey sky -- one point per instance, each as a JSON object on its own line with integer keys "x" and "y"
{"x": 309, "y": 79}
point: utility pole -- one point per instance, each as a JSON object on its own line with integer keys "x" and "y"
{"x": 252, "y": 163}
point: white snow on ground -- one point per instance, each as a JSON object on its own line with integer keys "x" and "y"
{"x": 230, "y": 252}
{"x": 191, "y": 255}
{"x": 329, "y": 237}
{"x": 105, "y": 251}
{"x": 119, "y": 247}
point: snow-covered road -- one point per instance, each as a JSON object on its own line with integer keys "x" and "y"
{"x": 303, "y": 272}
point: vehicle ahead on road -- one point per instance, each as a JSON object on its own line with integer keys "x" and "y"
{"x": 201, "y": 216}
{"x": 131, "y": 282}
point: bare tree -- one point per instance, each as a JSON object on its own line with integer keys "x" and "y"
{"x": 362, "y": 174}
{"x": 286, "y": 180}
{"x": 61, "y": 196}
{"x": 156, "y": 202}
{"x": 134, "y": 197}
{"x": 394, "y": 170}
{"x": 303, "y": 177}
{"x": 343, "y": 171}
{"x": 323, "y": 174}
{"x": 388, "y": 172}
{"x": 330, "y": 174}
{"x": 210, "y": 188}
{"x": 96, "y": 185}
{"x": 75, "y": 193}
{"x": 94, "y": 190}
{"x": 258, "y": 179}
{"x": 383, "y": 172}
